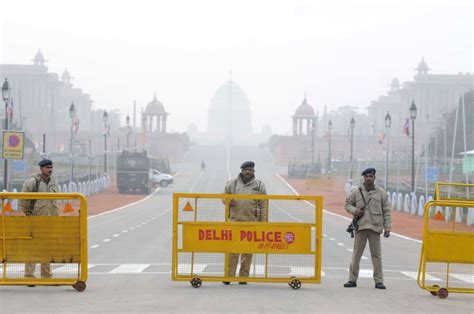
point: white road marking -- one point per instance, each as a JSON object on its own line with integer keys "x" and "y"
{"x": 94, "y": 246}
{"x": 340, "y": 244}
{"x": 332, "y": 239}
{"x": 131, "y": 228}
{"x": 464, "y": 277}
{"x": 126, "y": 206}
{"x": 124, "y": 231}
{"x": 350, "y": 250}
{"x": 106, "y": 240}
{"x": 366, "y": 273}
{"x": 116, "y": 235}
{"x": 325, "y": 235}
{"x": 129, "y": 268}
{"x": 363, "y": 257}
{"x": 414, "y": 275}
{"x": 344, "y": 217}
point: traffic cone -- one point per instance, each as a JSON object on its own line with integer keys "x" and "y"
{"x": 7, "y": 207}
{"x": 439, "y": 216}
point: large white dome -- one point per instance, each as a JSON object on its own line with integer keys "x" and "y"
{"x": 229, "y": 113}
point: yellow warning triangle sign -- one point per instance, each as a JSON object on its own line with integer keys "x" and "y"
{"x": 188, "y": 207}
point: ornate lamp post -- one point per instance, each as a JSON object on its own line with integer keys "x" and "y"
{"x": 352, "y": 126}
{"x": 127, "y": 121}
{"x": 388, "y": 123}
{"x": 5, "y": 96}
{"x": 329, "y": 146}
{"x": 106, "y": 125}
{"x": 413, "y": 111}
{"x": 72, "y": 115}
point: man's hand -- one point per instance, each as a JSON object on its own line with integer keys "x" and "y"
{"x": 232, "y": 203}
{"x": 387, "y": 232}
{"x": 358, "y": 213}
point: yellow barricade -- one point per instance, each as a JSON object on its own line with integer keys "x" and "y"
{"x": 53, "y": 235}
{"x": 447, "y": 254}
{"x": 286, "y": 248}
{"x": 454, "y": 191}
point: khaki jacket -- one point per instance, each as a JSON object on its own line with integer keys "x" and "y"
{"x": 247, "y": 209}
{"x": 42, "y": 207}
{"x": 378, "y": 214}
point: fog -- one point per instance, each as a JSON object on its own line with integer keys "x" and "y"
{"x": 340, "y": 53}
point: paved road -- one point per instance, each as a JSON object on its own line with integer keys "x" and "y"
{"x": 130, "y": 259}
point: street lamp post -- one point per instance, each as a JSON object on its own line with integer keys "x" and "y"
{"x": 388, "y": 123}
{"x": 5, "y": 96}
{"x": 127, "y": 121}
{"x": 72, "y": 115}
{"x": 106, "y": 120}
{"x": 329, "y": 146}
{"x": 413, "y": 117}
{"x": 352, "y": 126}
{"x": 313, "y": 127}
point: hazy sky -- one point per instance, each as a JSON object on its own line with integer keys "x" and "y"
{"x": 340, "y": 52}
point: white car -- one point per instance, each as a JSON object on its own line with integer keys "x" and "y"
{"x": 161, "y": 179}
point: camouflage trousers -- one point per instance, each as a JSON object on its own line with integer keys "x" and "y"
{"x": 45, "y": 267}
{"x": 45, "y": 270}
{"x": 245, "y": 262}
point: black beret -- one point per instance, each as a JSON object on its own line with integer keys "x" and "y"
{"x": 368, "y": 171}
{"x": 45, "y": 162}
{"x": 247, "y": 164}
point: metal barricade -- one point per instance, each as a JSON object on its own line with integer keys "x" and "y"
{"x": 286, "y": 248}
{"x": 447, "y": 254}
{"x": 53, "y": 235}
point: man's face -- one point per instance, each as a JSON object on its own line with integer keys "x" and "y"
{"x": 47, "y": 170}
{"x": 248, "y": 172}
{"x": 369, "y": 179}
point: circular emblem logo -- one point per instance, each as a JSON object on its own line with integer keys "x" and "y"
{"x": 289, "y": 237}
{"x": 14, "y": 140}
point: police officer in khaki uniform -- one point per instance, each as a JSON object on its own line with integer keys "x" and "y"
{"x": 43, "y": 183}
{"x": 245, "y": 210}
{"x": 370, "y": 204}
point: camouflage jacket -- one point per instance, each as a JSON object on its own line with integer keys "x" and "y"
{"x": 377, "y": 215}
{"x": 247, "y": 209}
{"x": 40, "y": 207}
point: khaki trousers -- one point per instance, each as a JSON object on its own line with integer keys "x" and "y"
{"x": 360, "y": 241}
{"x": 245, "y": 262}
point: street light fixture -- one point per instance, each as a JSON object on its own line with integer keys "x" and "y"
{"x": 127, "y": 121}
{"x": 388, "y": 124}
{"x": 329, "y": 146}
{"x": 5, "y": 96}
{"x": 413, "y": 111}
{"x": 352, "y": 126}
{"x": 72, "y": 115}
{"x": 106, "y": 125}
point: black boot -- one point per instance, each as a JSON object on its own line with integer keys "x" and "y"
{"x": 380, "y": 285}
{"x": 350, "y": 284}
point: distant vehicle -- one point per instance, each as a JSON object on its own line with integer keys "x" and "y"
{"x": 134, "y": 172}
{"x": 162, "y": 179}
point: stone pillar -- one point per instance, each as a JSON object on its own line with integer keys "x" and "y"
{"x": 300, "y": 126}
{"x": 164, "y": 123}
{"x": 294, "y": 126}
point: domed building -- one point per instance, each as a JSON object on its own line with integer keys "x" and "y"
{"x": 229, "y": 114}
{"x": 304, "y": 119}
{"x": 154, "y": 117}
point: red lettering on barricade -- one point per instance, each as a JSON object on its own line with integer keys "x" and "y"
{"x": 201, "y": 234}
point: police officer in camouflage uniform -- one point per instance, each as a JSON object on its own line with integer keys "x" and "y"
{"x": 245, "y": 210}
{"x": 43, "y": 183}
{"x": 371, "y": 205}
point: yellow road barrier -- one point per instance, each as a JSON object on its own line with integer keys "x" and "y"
{"x": 206, "y": 242}
{"x": 56, "y": 239}
{"x": 447, "y": 254}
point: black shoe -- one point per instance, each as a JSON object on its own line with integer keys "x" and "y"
{"x": 226, "y": 283}
{"x": 31, "y": 286}
{"x": 350, "y": 284}
{"x": 379, "y": 285}
{"x": 242, "y": 283}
